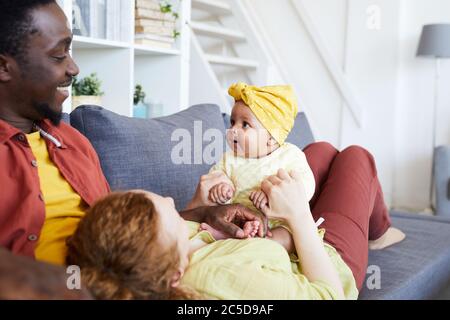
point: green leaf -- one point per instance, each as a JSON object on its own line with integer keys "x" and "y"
{"x": 88, "y": 86}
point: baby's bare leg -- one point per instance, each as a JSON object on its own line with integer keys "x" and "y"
{"x": 283, "y": 237}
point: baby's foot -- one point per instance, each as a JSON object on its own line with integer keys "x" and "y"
{"x": 218, "y": 235}
{"x": 390, "y": 237}
{"x": 251, "y": 228}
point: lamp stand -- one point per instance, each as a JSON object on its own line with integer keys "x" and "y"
{"x": 435, "y": 107}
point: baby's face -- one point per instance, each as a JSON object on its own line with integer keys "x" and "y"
{"x": 247, "y": 137}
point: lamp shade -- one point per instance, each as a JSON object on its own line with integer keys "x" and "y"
{"x": 435, "y": 41}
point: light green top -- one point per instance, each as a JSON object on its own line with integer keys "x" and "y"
{"x": 259, "y": 269}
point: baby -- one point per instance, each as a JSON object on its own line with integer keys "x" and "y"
{"x": 261, "y": 120}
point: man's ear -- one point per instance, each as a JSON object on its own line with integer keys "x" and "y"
{"x": 175, "y": 281}
{"x": 5, "y": 68}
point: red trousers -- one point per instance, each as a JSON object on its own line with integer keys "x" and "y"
{"x": 349, "y": 197}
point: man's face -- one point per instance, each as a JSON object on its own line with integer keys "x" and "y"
{"x": 41, "y": 81}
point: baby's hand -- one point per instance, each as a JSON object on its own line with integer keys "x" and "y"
{"x": 259, "y": 199}
{"x": 221, "y": 193}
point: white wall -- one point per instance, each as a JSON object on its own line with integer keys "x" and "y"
{"x": 415, "y": 104}
{"x": 393, "y": 87}
{"x": 369, "y": 58}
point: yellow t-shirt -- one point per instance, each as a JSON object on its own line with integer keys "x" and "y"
{"x": 63, "y": 206}
{"x": 257, "y": 269}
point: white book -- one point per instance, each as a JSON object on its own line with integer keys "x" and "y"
{"x": 93, "y": 19}
{"x": 101, "y": 19}
{"x": 161, "y": 31}
{"x": 80, "y": 17}
{"x": 117, "y": 15}
{"x": 154, "y": 23}
{"x": 153, "y": 14}
{"x": 140, "y": 36}
{"x": 110, "y": 7}
{"x": 147, "y": 4}
{"x": 125, "y": 20}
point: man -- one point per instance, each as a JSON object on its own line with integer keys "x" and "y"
{"x": 50, "y": 173}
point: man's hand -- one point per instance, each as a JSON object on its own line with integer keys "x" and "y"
{"x": 201, "y": 196}
{"x": 24, "y": 278}
{"x": 230, "y": 220}
{"x": 221, "y": 193}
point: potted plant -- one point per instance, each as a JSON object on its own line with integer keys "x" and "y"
{"x": 87, "y": 91}
{"x": 140, "y": 108}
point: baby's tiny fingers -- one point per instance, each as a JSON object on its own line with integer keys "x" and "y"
{"x": 223, "y": 193}
{"x": 217, "y": 195}
{"x": 226, "y": 192}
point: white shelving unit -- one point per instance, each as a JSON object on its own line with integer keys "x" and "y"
{"x": 120, "y": 65}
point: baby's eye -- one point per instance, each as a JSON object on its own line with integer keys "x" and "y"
{"x": 232, "y": 122}
{"x": 246, "y": 125}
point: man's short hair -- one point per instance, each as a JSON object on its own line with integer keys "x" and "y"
{"x": 16, "y": 25}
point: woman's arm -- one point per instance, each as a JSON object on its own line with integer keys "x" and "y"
{"x": 287, "y": 201}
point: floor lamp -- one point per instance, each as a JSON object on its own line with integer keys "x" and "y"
{"x": 435, "y": 43}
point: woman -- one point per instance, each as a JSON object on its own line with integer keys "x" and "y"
{"x": 135, "y": 245}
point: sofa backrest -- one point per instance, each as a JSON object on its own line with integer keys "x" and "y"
{"x": 164, "y": 155}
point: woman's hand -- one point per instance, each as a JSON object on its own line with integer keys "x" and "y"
{"x": 201, "y": 196}
{"x": 286, "y": 196}
{"x": 288, "y": 201}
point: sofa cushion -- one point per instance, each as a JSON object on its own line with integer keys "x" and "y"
{"x": 417, "y": 267}
{"x": 137, "y": 153}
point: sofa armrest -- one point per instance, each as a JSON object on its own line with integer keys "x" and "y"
{"x": 442, "y": 180}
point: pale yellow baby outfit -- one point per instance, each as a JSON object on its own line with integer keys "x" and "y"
{"x": 247, "y": 174}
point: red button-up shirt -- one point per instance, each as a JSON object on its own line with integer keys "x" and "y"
{"x": 22, "y": 209}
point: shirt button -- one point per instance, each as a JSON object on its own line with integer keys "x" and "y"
{"x": 34, "y": 163}
{"x": 32, "y": 237}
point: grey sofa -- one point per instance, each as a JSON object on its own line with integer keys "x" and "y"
{"x": 136, "y": 153}
{"x": 442, "y": 180}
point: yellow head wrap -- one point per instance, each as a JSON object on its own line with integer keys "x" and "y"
{"x": 274, "y": 106}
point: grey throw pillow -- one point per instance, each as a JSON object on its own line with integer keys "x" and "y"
{"x": 154, "y": 154}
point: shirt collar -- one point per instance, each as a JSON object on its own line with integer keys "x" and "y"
{"x": 48, "y": 131}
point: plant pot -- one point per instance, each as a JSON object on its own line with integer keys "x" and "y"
{"x": 141, "y": 110}
{"x": 86, "y": 100}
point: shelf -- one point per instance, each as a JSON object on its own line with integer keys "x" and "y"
{"x": 142, "y": 50}
{"x": 232, "y": 62}
{"x": 204, "y": 29}
{"x": 80, "y": 42}
{"x": 120, "y": 65}
{"x": 212, "y": 6}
